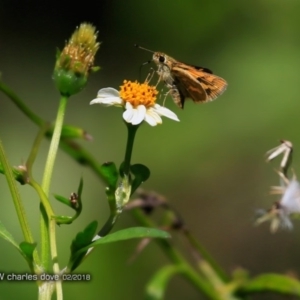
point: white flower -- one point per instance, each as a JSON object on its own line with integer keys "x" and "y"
{"x": 290, "y": 200}
{"x": 279, "y": 214}
{"x": 286, "y": 147}
{"x": 138, "y": 101}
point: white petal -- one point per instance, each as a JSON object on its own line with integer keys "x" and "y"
{"x": 165, "y": 112}
{"x": 128, "y": 105}
{"x": 108, "y": 92}
{"x": 152, "y": 118}
{"x": 291, "y": 197}
{"x": 285, "y": 221}
{"x": 139, "y": 115}
{"x": 128, "y": 113}
{"x": 108, "y": 96}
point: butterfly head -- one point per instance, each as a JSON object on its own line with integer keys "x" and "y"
{"x": 162, "y": 59}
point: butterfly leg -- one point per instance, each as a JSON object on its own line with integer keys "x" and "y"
{"x": 150, "y": 76}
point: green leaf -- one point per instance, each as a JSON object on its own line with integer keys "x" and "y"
{"x": 141, "y": 174}
{"x": 122, "y": 235}
{"x": 27, "y": 250}
{"x": 80, "y": 242}
{"x": 157, "y": 286}
{"x": 129, "y": 233}
{"x": 272, "y": 283}
{"x": 110, "y": 173}
{"x": 79, "y": 200}
{"x": 70, "y": 132}
{"x": 84, "y": 237}
{"x": 63, "y": 220}
{"x": 7, "y": 236}
{"x": 77, "y": 206}
{"x": 63, "y": 200}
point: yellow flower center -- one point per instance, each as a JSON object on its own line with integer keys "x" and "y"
{"x": 138, "y": 93}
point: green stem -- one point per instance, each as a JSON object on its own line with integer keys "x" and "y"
{"x": 44, "y": 199}
{"x": 46, "y": 290}
{"x": 54, "y": 145}
{"x": 225, "y": 291}
{"x": 34, "y": 150}
{"x": 45, "y": 239}
{"x": 48, "y": 224}
{"x": 16, "y": 199}
{"x": 16, "y": 196}
{"x": 17, "y": 101}
{"x": 131, "y": 129}
{"x": 114, "y": 208}
{"x": 206, "y": 256}
{"x": 114, "y": 211}
{"x": 109, "y": 224}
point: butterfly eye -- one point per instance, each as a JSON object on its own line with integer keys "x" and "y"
{"x": 161, "y": 59}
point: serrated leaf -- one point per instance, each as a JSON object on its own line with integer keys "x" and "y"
{"x": 84, "y": 237}
{"x": 80, "y": 242}
{"x": 272, "y": 283}
{"x": 157, "y": 286}
{"x": 141, "y": 174}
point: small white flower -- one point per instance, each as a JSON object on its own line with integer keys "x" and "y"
{"x": 138, "y": 101}
{"x": 286, "y": 147}
{"x": 279, "y": 214}
{"x": 290, "y": 200}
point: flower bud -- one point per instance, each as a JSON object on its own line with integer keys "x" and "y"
{"x": 76, "y": 60}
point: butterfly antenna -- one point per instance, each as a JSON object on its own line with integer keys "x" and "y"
{"x": 149, "y": 77}
{"x": 138, "y": 46}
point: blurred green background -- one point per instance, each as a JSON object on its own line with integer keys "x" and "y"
{"x": 211, "y": 165}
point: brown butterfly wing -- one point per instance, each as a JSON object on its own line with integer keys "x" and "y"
{"x": 197, "y": 83}
{"x": 214, "y": 85}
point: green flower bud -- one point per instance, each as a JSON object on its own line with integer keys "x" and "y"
{"x": 76, "y": 60}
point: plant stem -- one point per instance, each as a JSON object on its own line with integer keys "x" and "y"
{"x": 131, "y": 130}
{"x": 206, "y": 256}
{"x": 48, "y": 234}
{"x": 114, "y": 209}
{"x": 54, "y": 145}
{"x": 16, "y": 196}
{"x": 20, "y": 104}
{"x": 109, "y": 224}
